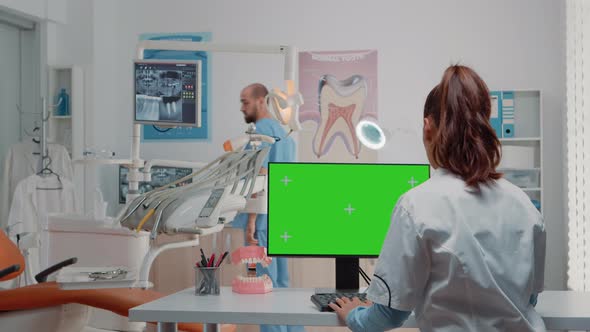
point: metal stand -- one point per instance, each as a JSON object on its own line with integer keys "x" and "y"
{"x": 211, "y": 328}
{"x": 44, "y": 119}
{"x": 347, "y": 273}
{"x": 148, "y": 260}
{"x": 167, "y": 327}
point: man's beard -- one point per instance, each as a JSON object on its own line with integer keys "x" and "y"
{"x": 249, "y": 118}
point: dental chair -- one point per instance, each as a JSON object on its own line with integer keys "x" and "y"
{"x": 218, "y": 191}
{"x": 46, "y": 307}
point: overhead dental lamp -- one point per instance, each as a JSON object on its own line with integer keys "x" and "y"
{"x": 285, "y": 105}
{"x": 370, "y": 134}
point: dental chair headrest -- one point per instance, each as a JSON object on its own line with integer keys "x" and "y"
{"x": 10, "y": 256}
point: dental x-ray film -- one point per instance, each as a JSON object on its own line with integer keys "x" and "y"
{"x": 168, "y": 93}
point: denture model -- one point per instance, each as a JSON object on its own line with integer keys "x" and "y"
{"x": 251, "y": 285}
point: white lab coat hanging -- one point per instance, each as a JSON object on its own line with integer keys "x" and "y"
{"x": 32, "y": 202}
{"x": 23, "y": 160}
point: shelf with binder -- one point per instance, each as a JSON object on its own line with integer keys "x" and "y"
{"x": 520, "y": 139}
{"x": 66, "y": 125}
{"x": 516, "y": 116}
{"x": 504, "y": 169}
{"x": 65, "y": 97}
{"x": 530, "y": 189}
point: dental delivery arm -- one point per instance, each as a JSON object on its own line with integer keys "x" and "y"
{"x": 252, "y": 216}
{"x": 220, "y": 187}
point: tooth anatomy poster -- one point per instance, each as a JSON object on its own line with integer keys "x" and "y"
{"x": 339, "y": 90}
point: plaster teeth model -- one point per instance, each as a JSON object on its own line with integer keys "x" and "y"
{"x": 341, "y": 104}
{"x": 256, "y": 285}
{"x": 251, "y": 285}
{"x": 251, "y": 254}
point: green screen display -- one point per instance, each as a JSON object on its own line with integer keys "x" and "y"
{"x": 334, "y": 209}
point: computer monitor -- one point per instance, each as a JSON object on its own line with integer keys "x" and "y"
{"x": 168, "y": 93}
{"x": 335, "y": 210}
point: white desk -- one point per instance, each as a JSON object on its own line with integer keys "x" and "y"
{"x": 561, "y": 310}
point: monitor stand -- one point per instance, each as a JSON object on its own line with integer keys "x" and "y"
{"x": 347, "y": 277}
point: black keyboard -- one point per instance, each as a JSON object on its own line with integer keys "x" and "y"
{"x": 323, "y": 300}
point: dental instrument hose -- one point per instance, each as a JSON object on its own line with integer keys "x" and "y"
{"x": 192, "y": 175}
{"x": 161, "y": 194}
{"x": 157, "y": 191}
{"x": 145, "y": 219}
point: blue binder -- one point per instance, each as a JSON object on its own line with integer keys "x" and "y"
{"x": 508, "y": 114}
{"x": 496, "y": 115}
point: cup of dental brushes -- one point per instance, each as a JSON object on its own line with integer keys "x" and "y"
{"x": 207, "y": 280}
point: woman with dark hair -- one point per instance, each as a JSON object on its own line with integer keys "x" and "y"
{"x": 466, "y": 249}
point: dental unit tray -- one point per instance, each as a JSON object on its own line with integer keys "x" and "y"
{"x": 115, "y": 274}
{"x": 217, "y": 192}
{"x": 96, "y": 277}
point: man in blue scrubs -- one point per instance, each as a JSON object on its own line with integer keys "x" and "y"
{"x": 255, "y": 110}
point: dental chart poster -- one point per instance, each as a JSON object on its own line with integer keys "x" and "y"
{"x": 339, "y": 90}
{"x": 182, "y": 133}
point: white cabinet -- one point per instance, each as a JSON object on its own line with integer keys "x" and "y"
{"x": 522, "y": 154}
{"x": 68, "y": 130}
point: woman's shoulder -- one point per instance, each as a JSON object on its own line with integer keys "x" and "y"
{"x": 442, "y": 200}
{"x": 517, "y": 195}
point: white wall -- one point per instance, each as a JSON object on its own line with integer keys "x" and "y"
{"x": 10, "y": 88}
{"x": 34, "y": 8}
{"x": 53, "y": 10}
{"x": 511, "y": 44}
